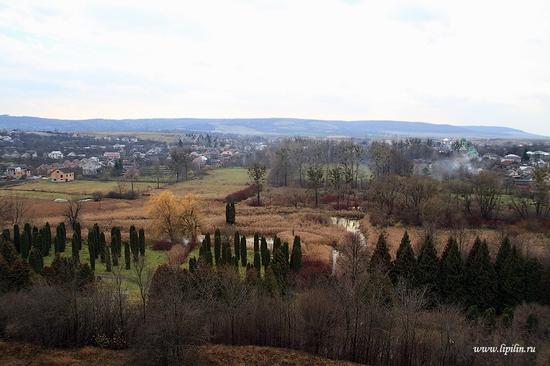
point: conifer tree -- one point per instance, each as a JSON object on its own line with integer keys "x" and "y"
{"x": 286, "y": 253}
{"x": 473, "y": 252}
{"x": 270, "y": 282}
{"x": 502, "y": 254}
{"x": 381, "y": 258}
{"x": 237, "y": 243}
{"x": 6, "y": 235}
{"x": 258, "y": 263}
{"x": 25, "y": 244}
{"x": 28, "y": 230}
{"x": 127, "y": 254}
{"x": 296, "y": 256}
{"x": 279, "y": 265}
{"x": 141, "y": 235}
{"x": 263, "y": 246}
{"x": 427, "y": 264}
{"x": 134, "y": 244}
{"x": 450, "y": 278}
{"x": 103, "y": 248}
{"x": 78, "y": 231}
{"x": 511, "y": 279}
{"x": 91, "y": 250}
{"x": 230, "y": 213}
{"x": 256, "y": 242}
{"x": 108, "y": 260}
{"x": 17, "y": 238}
{"x": 532, "y": 280}
{"x": 242, "y": 251}
{"x": 481, "y": 279}
{"x": 404, "y": 265}
{"x": 114, "y": 253}
{"x": 36, "y": 260}
{"x": 217, "y": 247}
{"x": 47, "y": 236}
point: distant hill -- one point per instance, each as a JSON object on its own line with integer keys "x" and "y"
{"x": 264, "y": 127}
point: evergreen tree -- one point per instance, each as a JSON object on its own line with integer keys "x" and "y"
{"x": 36, "y": 260}
{"x": 257, "y": 262}
{"x": 217, "y": 247}
{"x": 473, "y": 252}
{"x": 263, "y": 247}
{"x": 78, "y": 231}
{"x": 544, "y": 291}
{"x": 481, "y": 278}
{"x": 237, "y": 243}
{"x": 127, "y": 255}
{"x": 74, "y": 247}
{"x": 6, "y": 235}
{"x": 134, "y": 244}
{"x": 286, "y": 253}
{"x": 25, "y": 244}
{"x": 141, "y": 235}
{"x": 279, "y": 265}
{"x": 47, "y": 236}
{"x": 192, "y": 264}
{"x": 256, "y": 242}
{"x": 271, "y": 285}
{"x": 427, "y": 264}
{"x": 91, "y": 250}
{"x": 103, "y": 248}
{"x": 381, "y": 258}
{"x": 230, "y": 213}
{"x": 511, "y": 280}
{"x": 108, "y": 261}
{"x": 28, "y": 230}
{"x": 404, "y": 266}
{"x": 243, "y": 251}
{"x": 532, "y": 280}
{"x": 114, "y": 254}
{"x": 296, "y": 256}
{"x": 450, "y": 278}
{"x": 532, "y": 325}
{"x": 502, "y": 254}
{"x": 61, "y": 237}
{"x": 17, "y": 238}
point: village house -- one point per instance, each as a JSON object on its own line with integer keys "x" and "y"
{"x": 56, "y": 154}
{"x": 18, "y": 172}
{"x": 62, "y": 175}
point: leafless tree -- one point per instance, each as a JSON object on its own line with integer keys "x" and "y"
{"x": 14, "y": 209}
{"x": 73, "y": 211}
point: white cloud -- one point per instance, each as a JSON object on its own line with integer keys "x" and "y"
{"x": 459, "y": 62}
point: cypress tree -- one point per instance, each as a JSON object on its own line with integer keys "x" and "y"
{"x": 266, "y": 258}
{"x": 286, "y": 253}
{"x": 296, "y": 256}
{"x": 427, "y": 264}
{"x": 511, "y": 279}
{"x": 230, "y": 213}
{"x": 103, "y": 248}
{"x": 28, "y": 230}
{"x": 25, "y": 244}
{"x": 481, "y": 279}
{"x": 532, "y": 280}
{"x": 34, "y": 235}
{"x": 237, "y": 244}
{"x": 17, "y": 238}
{"x": 404, "y": 265}
{"x": 141, "y": 235}
{"x": 257, "y": 262}
{"x": 243, "y": 251}
{"x": 263, "y": 247}
{"x": 78, "y": 231}
{"x": 108, "y": 262}
{"x": 36, "y": 260}
{"x": 134, "y": 244}
{"x": 91, "y": 250}
{"x": 55, "y": 245}
{"x": 450, "y": 278}
{"x": 6, "y": 235}
{"x": 276, "y": 242}
{"x": 270, "y": 282}
{"x": 127, "y": 255}
{"x": 114, "y": 253}
{"x": 279, "y": 265}
{"x": 47, "y": 236}
{"x": 217, "y": 246}
{"x": 208, "y": 249}
{"x": 381, "y": 258}
{"x": 256, "y": 242}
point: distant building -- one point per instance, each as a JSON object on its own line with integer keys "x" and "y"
{"x": 56, "y": 154}
{"x": 18, "y": 171}
{"x": 62, "y": 175}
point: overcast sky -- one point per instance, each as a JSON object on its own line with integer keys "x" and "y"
{"x": 457, "y": 62}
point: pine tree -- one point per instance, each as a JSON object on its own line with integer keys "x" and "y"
{"x": 481, "y": 278}
{"x": 427, "y": 264}
{"x": 381, "y": 258}
{"x": 511, "y": 280}
{"x": 404, "y": 266}
{"x": 243, "y": 251}
{"x": 502, "y": 254}
{"x": 36, "y": 260}
{"x": 296, "y": 256}
{"x": 532, "y": 280}
{"x": 473, "y": 252}
{"x": 450, "y": 278}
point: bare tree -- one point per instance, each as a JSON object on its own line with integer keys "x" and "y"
{"x": 14, "y": 209}
{"x": 73, "y": 211}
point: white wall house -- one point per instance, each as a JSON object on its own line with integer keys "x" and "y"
{"x": 56, "y": 154}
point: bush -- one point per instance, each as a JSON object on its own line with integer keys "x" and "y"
{"x": 241, "y": 195}
{"x": 162, "y": 244}
{"x": 97, "y": 196}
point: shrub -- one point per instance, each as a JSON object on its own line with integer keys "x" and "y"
{"x": 241, "y": 195}
{"x": 162, "y": 244}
